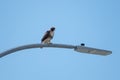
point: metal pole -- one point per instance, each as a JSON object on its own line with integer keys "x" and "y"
{"x": 35, "y": 46}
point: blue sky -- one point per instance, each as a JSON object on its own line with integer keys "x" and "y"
{"x": 93, "y": 22}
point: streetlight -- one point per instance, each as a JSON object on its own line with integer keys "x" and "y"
{"x": 79, "y": 48}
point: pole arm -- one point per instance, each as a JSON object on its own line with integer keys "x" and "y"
{"x": 35, "y": 46}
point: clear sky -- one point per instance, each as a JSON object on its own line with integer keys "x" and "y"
{"x": 93, "y": 22}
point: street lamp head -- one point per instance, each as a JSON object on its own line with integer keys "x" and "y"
{"x": 83, "y": 49}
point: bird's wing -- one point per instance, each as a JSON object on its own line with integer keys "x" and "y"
{"x": 46, "y": 35}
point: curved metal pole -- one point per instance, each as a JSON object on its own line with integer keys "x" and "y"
{"x": 79, "y": 48}
{"x": 35, "y": 46}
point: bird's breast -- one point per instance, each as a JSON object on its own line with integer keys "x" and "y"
{"x": 51, "y": 33}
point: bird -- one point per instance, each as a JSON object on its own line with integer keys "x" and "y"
{"x": 46, "y": 39}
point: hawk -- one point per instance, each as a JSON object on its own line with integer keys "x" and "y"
{"x": 48, "y": 36}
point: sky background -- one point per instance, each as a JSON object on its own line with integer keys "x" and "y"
{"x": 93, "y": 22}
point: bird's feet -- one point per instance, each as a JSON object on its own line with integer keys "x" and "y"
{"x": 50, "y": 43}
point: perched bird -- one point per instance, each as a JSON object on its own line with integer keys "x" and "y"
{"x": 48, "y": 36}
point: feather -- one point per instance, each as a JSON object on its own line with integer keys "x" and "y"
{"x": 45, "y": 36}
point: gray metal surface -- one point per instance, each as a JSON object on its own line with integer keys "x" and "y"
{"x": 90, "y": 50}
{"x": 35, "y": 46}
{"x": 82, "y": 49}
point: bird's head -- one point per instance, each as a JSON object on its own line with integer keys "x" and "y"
{"x": 52, "y": 28}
